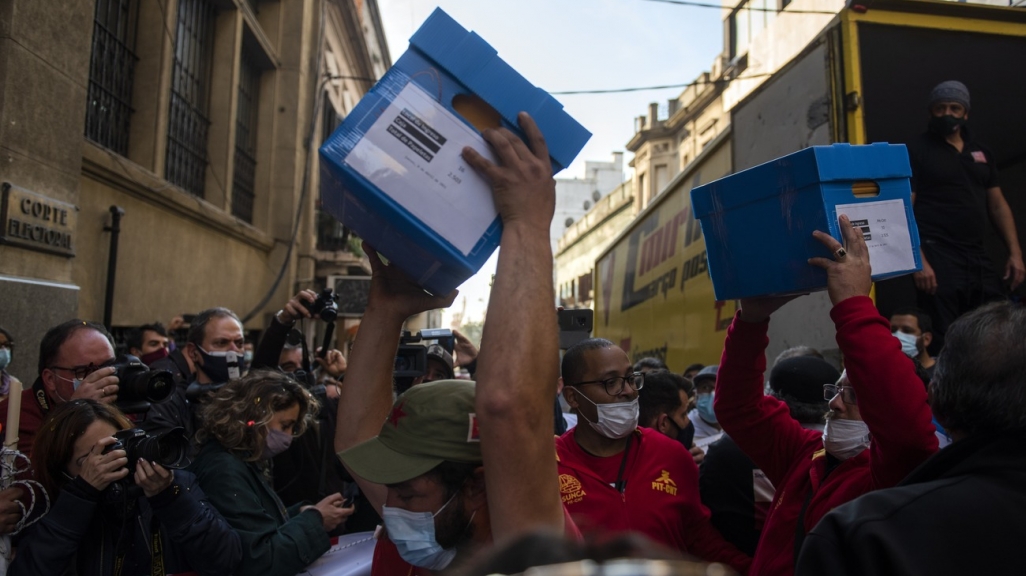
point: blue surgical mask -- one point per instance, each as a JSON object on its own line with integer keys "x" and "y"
{"x": 909, "y": 344}
{"x": 413, "y": 534}
{"x": 705, "y": 407}
{"x": 5, "y": 357}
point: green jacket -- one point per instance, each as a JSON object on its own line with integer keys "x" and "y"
{"x": 275, "y": 541}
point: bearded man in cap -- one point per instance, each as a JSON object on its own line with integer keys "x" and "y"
{"x": 955, "y": 191}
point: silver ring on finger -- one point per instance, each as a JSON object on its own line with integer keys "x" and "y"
{"x": 840, "y": 253}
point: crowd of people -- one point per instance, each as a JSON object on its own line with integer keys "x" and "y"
{"x": 261, "y": 454}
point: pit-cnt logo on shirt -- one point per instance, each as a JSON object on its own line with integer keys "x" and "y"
{"x": 665, "y": 484}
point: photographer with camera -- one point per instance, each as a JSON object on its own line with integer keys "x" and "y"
{"x": 215, "y": 348}
{"x": 148, "y": 343}
{"x": 117, "y": 508}
{"x": 76, "y": 361}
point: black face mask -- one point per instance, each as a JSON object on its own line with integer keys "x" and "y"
{"x": 686, "y": 435}
{"x": 945, "y": 125}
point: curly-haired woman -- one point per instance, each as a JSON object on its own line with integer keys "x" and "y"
{"x": 242, "y": 427}
{"x": 156, "y": 518}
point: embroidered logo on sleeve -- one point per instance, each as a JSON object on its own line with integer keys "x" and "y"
{"x": 979, "y": 156}
{"x": 665, "y": 484}
{"x": 570, "y": 489}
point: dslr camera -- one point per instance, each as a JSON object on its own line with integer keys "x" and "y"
{"x": 138, "y": 386}
{"x": 324, "y": 307}
{"x": 169, "y": 449}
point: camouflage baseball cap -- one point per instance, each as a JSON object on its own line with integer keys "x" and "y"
{"x": 429, "y": 424}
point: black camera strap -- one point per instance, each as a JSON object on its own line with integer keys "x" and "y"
{"x": 156, "y": 551}
{"x": 39, "y": 393}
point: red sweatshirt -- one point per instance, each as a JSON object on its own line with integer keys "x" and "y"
{"x": 892, "y": 402}
{"x": 660, "y": 498}
{"x": 32, "y": 417}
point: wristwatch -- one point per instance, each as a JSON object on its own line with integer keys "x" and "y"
{"x": 277, "y": 316}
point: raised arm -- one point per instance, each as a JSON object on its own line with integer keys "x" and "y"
{"x": 366, "y": 396}
{"x": 517, "y": 368}
{"x": 761, "y": 425}
{"x": 891, "y": 398}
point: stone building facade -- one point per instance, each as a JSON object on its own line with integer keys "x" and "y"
{"x": 199, "y": 121}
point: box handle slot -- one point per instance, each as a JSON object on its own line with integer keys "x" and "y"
{"x": 475, "y": 110}
{"x": 865, "y": 189}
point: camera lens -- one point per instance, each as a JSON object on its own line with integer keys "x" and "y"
{"x": 170, "y": 449}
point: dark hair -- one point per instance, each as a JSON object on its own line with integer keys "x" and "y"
{"x": 198, "y": 326}
{"x": 237, "y": 414}
{"x": 54, "y": 446}
{"x": 573, "y": 359}
{"x": 6, "y": 334}
{"x": 979, "y": 382}
{"x": 544, "y": 548}
{"x": 695, "y": 366}
{"x": 797, "y": 351}
{"x": 660, "y": 395}
{"x": 134, "y": 338}
{"x": 55, "y": 337}
{"x": 803, "y": 412}
{"x": 651, "y": 362}
{"x": 924, "y": 320}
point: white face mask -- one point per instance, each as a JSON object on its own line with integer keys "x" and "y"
{"x": 413, "y": 534}
{"x": 845, "y": 438}
{"x": 909, "y": 344}
{"x": 614, "y": 420}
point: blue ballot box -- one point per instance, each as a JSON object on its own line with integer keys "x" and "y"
{"x": 393, "y": 171}
{"x": 758, "y": 223}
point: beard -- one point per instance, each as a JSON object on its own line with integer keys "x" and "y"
{"x": 453, "y": 529}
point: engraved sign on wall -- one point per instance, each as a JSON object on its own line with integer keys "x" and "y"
{"x": 36, "y": 222}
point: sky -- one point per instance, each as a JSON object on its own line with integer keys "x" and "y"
{"x": 564, "y": 45}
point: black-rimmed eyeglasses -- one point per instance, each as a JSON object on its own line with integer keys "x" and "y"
{"x": 614, "y": 386}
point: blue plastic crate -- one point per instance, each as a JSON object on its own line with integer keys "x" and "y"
{"x": 758, "y": 223}
{"x": 392, "y": 171}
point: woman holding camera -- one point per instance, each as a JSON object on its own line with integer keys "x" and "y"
{"x": 245, "y": 424}
{"x": 106, "y": 518}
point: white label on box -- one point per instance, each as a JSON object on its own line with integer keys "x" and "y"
{"x": 412, "y": 154}
{"x": 885, "y": 228}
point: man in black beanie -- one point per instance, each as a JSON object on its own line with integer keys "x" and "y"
{"x": 955, "y": 191}
{"x": 736, "y": 492}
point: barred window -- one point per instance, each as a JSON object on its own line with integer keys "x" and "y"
{"x": 108, "y": 108}
{"x": 187, "y": 119}
{"x": 245, "y": 139}
{"x": 331, "y": 234}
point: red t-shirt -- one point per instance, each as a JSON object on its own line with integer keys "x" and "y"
{"x": 660, "y": 497}
{"x": 387, "y": 561}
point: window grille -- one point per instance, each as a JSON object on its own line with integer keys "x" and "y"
{"x": 111, "y": 65}
{"x": 245, "y": 139}
{"x": 187, "y": 119}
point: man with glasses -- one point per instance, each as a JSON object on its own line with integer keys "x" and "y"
{"x": 879, "y": 397}
{"x": 616, "y": 477}
{"x": 75, "y": 361}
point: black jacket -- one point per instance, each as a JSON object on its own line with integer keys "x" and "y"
{"x": 276, "y": 541}
{"x": 80, "y": 534}
{"x": 963, "y": 511}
